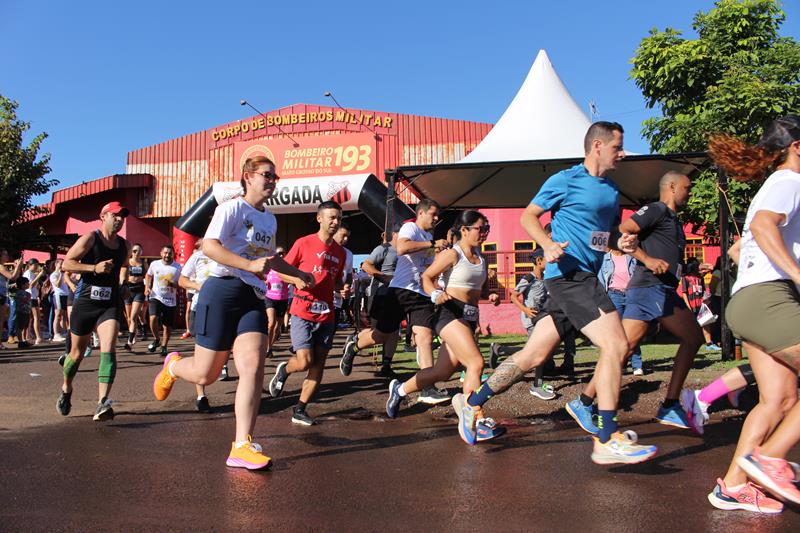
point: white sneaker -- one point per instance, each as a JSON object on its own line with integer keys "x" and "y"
{"x": 95, "y": 340}
{"x": 696, "y": 411}
{"x": 58, "y": 338}
{"x": 433, "y": 396}
{"x": 638, "y": 372}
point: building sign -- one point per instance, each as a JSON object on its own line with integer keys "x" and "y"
{"x": 332, "y": 116}
{"x": 303, "y": 195}
{"x": 321, "y": 155}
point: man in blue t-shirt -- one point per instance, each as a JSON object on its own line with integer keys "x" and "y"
{"x": 585, "y": 210}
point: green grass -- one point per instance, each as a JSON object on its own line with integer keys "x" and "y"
{"x": 657, "y": 356}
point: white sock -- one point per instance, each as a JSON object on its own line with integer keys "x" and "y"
{"x": 169, "y": 369}
{"x": 401, "y": 390}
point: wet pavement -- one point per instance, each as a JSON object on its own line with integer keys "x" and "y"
{"x": 161, "y": 465}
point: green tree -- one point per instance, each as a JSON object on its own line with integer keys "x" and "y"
{"x": 23, "y": 176}
{"x": 735, "y": 77}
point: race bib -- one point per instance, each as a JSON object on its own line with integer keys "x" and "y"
{"x": 319, "y": 308}
{"x": 276, "y": 287}
{"x": 598, "y": 241}
{"x": 102, "y": 294}
{"x": 471, "y": 312}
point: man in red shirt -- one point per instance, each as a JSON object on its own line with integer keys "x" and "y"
{"x": 312, "y": 311}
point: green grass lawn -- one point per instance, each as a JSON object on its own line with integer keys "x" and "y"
{"x": 657, "y": 356}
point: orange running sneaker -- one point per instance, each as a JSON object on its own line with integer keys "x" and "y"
{"x": 248, "y": 456}
{"x": 162, "y": 385}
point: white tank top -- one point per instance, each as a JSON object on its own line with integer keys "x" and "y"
{"x": 465, "y": 275}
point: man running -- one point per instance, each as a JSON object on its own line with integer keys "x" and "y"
{"x": 312, "y": 316}
{"x": 415, "y": 252}
{"x": 652, "y": 295}
{"x": 585, "y": 209}
{"x": 160, "y": 286}
{"x": 99, "y": 257}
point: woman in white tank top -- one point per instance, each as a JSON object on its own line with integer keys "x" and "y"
{"x": 464, "y": 282}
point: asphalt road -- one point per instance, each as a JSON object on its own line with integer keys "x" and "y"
{"x": 160, "y": 466}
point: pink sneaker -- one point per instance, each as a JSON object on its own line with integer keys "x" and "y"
{"x": 776, "y": 475}
{"x": 747, "y": 498}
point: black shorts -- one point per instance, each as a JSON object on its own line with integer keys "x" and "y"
{"x": 456, "y": 310}
{"x": 35, "y": 303}
{"x": 135, "y": 293}
{"x": 226, "y": 308}
{"x": 60, "y": 301}
{"x": 86, "y": 316}
{"x": 280, "y": 306}
{"x": 575, "y": 300}
{"x": 401, "y": 302}
{"x": 165, "y": 313}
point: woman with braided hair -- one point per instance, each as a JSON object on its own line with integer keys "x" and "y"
{"x": 764, "y": 312}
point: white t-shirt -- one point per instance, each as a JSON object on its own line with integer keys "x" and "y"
{"x": 246, "y": 231}
{"x": 197, "y": 269}
{"x": 59, "y": 289}
{"x": 32, "y": 289}
{"x": 163, "y": 275}
{"x": 779, "y": 194}
{"x": 410, "y": 266}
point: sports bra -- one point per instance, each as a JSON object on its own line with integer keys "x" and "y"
{"x": 464, "y": 274}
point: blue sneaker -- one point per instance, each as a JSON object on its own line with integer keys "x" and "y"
{"x": 487, "y": 429}
{"x": 673, "y": 416}
{"x": 713, "y": 347}
{"x": 393, "y": 403}
{"x": 582, "y": 415}
{"x": 466, "y": 418}
{"x": 621, "y": 448}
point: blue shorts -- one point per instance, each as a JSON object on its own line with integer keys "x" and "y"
{"x": 307, "y": 335}
{"x": 226, "y": 308}
{"x": 651, "y": 303}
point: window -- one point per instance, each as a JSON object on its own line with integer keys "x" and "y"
{"x": 489, "y": 250}
{"x": 695, "y": 248}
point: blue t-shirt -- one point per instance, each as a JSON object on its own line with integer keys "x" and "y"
{"x": 585, "y": 208}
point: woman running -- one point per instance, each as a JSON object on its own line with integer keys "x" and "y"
{"x": 134, "y": 299}
{"x": 464, "y": 283}
{"x": 764, "y": 312}
{"x": 240, "y": 241}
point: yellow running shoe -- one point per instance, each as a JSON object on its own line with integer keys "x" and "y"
{"x": 162, "y": 385}
{"x": 248, "y": 456}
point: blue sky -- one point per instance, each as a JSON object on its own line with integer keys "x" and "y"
{"x": 104, "y": 78}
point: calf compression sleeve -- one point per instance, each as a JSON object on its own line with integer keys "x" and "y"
{"x": 108, "y": 367}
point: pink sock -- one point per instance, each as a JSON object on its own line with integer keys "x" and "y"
{"x": 713, "y": 391}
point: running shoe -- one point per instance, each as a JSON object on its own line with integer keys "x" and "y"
{"x": 153, "y": 346}
{"x": 131, "y": 341}
{"x": 88, "y": 351}
{"x": 776, "y": 475}
{"x": 302, "y": 418}
{"x": 545, "y": 392}
{"x": 621, "y": 448}
{"x": 433, "y": 396}
{"x": 249, "y": 456}
{"x": 638, "y": 372}
{"x": 163, "y": 383}
{"x": 278, "y": 380}
{"x": 386, "y": 372}
{"x": 185, "y": 335}
{"x": 696, "y": 411}
{"x": 487, "y": 429}
{"x": 747, "y": 498}
{"x": 202, "y": 405}
{"x": 394, "y": 401}
{"x": 582, "y": 415}
{"x": 494, "y": 355}
{"x": 713, "y": 347}
{"x": 104, "y": 411}
{"x": 61, "y": 359}
{"x": 58, "y": 338}
{"x": 346, "y": 364}
{"x": 64, "y": 404}
{"x": 673, "y": 416}
{"x": 466, "y": 418}
{"x": 223, "y": 376}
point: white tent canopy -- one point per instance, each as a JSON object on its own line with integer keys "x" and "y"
{"x": 540, "y": 133}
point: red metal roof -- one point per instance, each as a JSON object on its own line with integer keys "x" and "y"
{"x": 88, "y": 188}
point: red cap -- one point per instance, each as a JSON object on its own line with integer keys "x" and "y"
{"x": 116, "y": 208}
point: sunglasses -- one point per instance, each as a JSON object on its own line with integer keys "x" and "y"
{"x": 483, "y": 230}
{"x": 269, "y": 176}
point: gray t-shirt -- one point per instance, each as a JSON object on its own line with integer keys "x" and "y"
{"x": 384, "y": 257}
{"x": 534, "y": 295}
